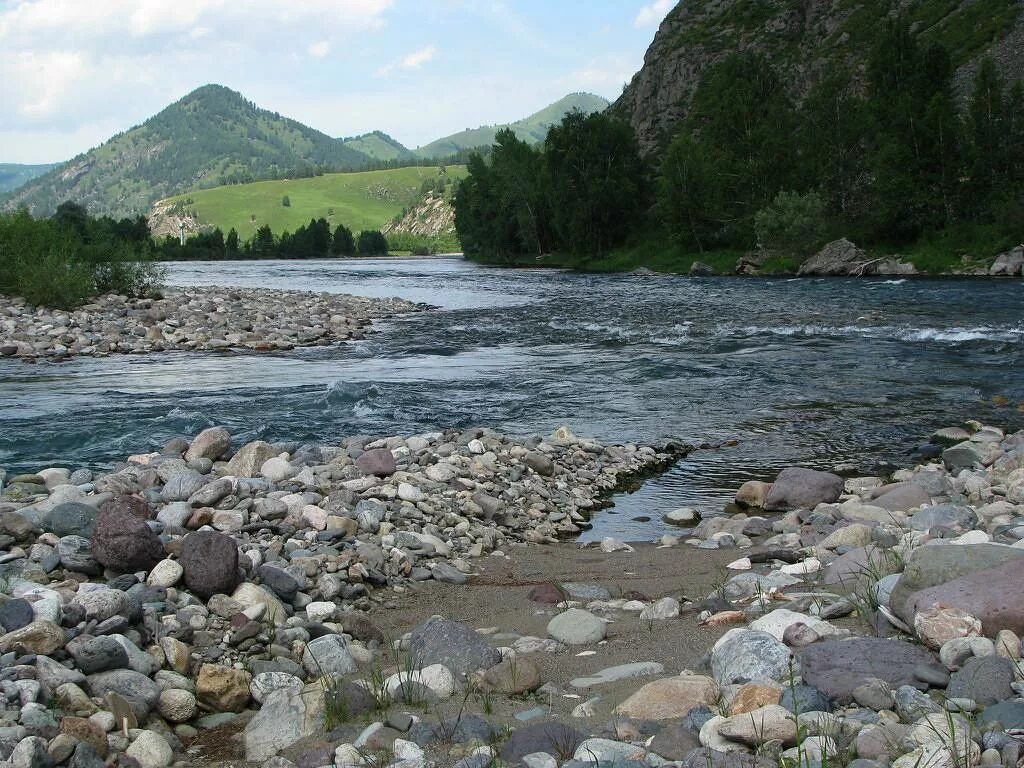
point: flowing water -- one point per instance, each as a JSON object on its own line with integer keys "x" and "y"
{"x": 812, "y": 372}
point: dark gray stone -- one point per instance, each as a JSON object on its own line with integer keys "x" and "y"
{"x": 912, "y": 705}
{"x": 949, "y": 516}
{"x": 556, "y": 739}
{"x": 282, "y": 583}
{"x": 1009, "y": 714}
{"x": 139, "y": 691}
{"x": 98, "y": 654}
{"x": 986, "y": 679}
{"x": 801, "y": 488}
{"x": 15, "y": 614}
{"x": 70, "y": 519}
{"x": 210, "y": 562}
{"x": 804, "y": 698}
{"x": 452, "y": 643}
{"x": 836, "y": 667}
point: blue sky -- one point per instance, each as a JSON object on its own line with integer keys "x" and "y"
{"x": 74, "y": 72}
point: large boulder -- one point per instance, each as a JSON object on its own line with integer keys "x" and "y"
{"x": 70, "y": 519}
{"x": 991, "y": 596}
{"x": 838, "y": 258}
{"x": 1009, "y": 264}
{"x": 378, "y": 461}
{"x": 249, "y": 458}
{"x": 210, "y": 444}
{"x": 123, "y": 542}
{"x": 210, "y": 563}
{"x": 285, "y": 717}
{"x": 837, "y": 667}
{"x": 452, "y": 643}
{"x": 746, "y": 655}
{"x": 801, "y": 488}
{"x": 930, "y": 566}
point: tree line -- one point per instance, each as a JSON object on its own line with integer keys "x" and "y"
{"x": 889, "y": 159}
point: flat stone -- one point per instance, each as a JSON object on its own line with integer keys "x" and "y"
{"x": 837, "y": 667}
{"x": 670, "y": 698}
{"x": 619, "y": 672}
{"x": 454, "y": 644}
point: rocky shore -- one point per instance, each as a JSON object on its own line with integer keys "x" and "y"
{"x": 192, "y": 319}
{"x": 272, "y": 604}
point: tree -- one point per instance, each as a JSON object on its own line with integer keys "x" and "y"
{"x": 372, "y": 243}
{"x": 262, "y": 244}
{"x": 231, "y": 243}
{"x": 343, "y": 244}
{"x": 595, "y": 182}
{"x": 286, "y": 201}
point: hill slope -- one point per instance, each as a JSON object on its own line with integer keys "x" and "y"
{"x": 531, "y": 129}
{"x": 212, "y": 136}
{"x": 804, "y": 41}
{"x": 378, "y": 146}
{"x": 14, "y": 175}
{"x": 366, "y": 200}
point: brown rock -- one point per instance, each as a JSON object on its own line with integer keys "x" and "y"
{"x": 123, "y": 542}
{"x": 754, "y": 696}
{"x": 87, "y": 731}
{"x": 753, "y": 493}
{"x": 992, "y": 596}
{"x": 39, "y": 637}
{"x": 210, "y": 563}
{"x": 512, "y": 676}
{"x": 210, "y": 444}
{"x": 132, "y": 504}
{"x": 670, "y": 698}
{"x": 202, "y": 516}
{"x": 379, "y": 461}
{"x": 222, "y": 688}
{"x": 550, "y": 594}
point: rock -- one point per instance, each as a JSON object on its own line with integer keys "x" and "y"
{"x": 911, "y": 704}
{"x": 15, "y": 614}
{"x": 552, "y": 738}
{"x": 249, "y": 458}
{"x": 619, "y": 672}
{"x": 328, "y": 656}
{"x": 757, "y": 728}
{"x": 151, "y": 750}
{"x": 778, "y": 621}
{"x": 452, "y": 643}
{"x": 176, "y": 705}
{"x": 803, "y": 698}
{"x": 577, "y": 627}
{"x": 837, "y": 667}
{"x": 838, "y": 258}
{"x": 950, "y": 516}
{"x": 744, "y": 656}
{"x": 874, "y": 694}
{"x": 222, "y": 688}
{"x": 122, "y": 542}
{"x": 931, "y": 566}
{"x": 706, "y": 757}
{"x": 282, "y": 583}
{"x": 988, "y": 596}
{"x": 209, "y": 561}
{"x": 98, "y": 654}
{"x": 754, "y": 696}
{"x": 378, "y": 461}
{"x": 684, "y": 516}
{"x": 40, "y": 637}
{"x": 1009, "y": 714}
{"x": 277, "y": 469}
{"x": 75, "y": 554}
{"x": 965, "y": 455}
{"x": 210, "y": 444}
{"x": 412, "y": 686}
{"x": 800, "y": 488}
{"x": 665, "y": 608}
{"x": 31, "y": 752}
{"x": 986, "y": 680}
{"x": 902, "y": 497}
{"x": 670, "y": 698}
{"x": 103, "y": 603}
{"x": 70, "y": 519}
{"x": 1009, "y": 264}
{"x": 513, "y": 676}
{"x": 165, "y": 574}
{"x": 265, "y": 683}
{"x": 608, "y": 752}
{"x": 753, "y": 493}
{"x": 251, "y": 597}
{"x": 938, "y": 624}
{"x": 136, "y": 689}
{"x": 540, "y": 463}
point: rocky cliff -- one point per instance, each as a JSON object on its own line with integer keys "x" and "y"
{"x": 804, "y": 39}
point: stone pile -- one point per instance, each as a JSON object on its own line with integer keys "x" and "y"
{"x": 208, "y": 318}
{"x": 144, "y": 605}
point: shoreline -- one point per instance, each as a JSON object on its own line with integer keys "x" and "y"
{"x": 197, "y": 319}
{"x": 269, "y": 572}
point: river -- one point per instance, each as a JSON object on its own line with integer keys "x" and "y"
{"x": 810, "y": 371}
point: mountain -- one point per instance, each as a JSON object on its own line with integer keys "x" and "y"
{"x": 804, "y": 41}
{"x": 378, "y": 146}
{"x": 212, "y": 136}
{"x": 14, "y": 175}
{"x": 531, "y": 129}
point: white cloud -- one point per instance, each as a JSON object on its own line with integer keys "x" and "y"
{"x": 320, "y": 49}
{"x": 414, "y": 60}
{"x": 653, "y": 13}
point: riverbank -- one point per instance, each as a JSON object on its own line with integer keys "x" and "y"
{"x": 192, "y": 319}
{"x": 278, "y": 599}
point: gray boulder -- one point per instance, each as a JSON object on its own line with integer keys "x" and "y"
{"x": 986, "y": 679}
{"x": 838, "y": 258}
{"x": 328, "y": 655}
{"x": 992, "y": 596}
{"x": 746, "y": 655}
{"x": 1009, "y": 264}
{"x": 452, "y": 643}
{"x": 837, "y": 667}
{"x": 944, "y": 516}
{"x": 70, "y": 519}
{"x": 801, "y": 488}
{"x": 139, "y": 691}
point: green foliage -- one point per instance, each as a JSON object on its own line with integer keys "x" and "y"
{"x": 63, "y": 261}
{"x": 343, "y": 243}
{"x": 14, "y": 175}
{"x": 421, "y": 245}
{"x": 372, "y": 243}
{"x": 793, "y": 224}
{"x": 286, "y": 202}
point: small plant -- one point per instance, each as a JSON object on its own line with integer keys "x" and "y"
{"x": 336, "y": 707}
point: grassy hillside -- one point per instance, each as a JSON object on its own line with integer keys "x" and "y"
{"x": 378, "y": 145}
{"x": 211, "y": 137}
{"x": 14, "y": 175}
{"x": 366, "y": 200}
{"x": 530, "y": 129}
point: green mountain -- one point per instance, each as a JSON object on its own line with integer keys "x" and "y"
{"x": 531, "y": 129}
{"x": 805, "y": 41}
{"x": 378, "y": 146}
{"x": 213, "y": 136}
{"x": 14, "y": 175}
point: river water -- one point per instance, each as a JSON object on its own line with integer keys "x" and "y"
{"x": 812, "y": 372}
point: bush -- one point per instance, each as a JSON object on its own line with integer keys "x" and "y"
{"x": 372, "y": 243}
{"x": 793, "y": 224}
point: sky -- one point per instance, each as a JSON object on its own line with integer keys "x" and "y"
{"x": 75, "y": 72}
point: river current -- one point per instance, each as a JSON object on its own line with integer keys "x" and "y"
{"x": 812, "y": 372}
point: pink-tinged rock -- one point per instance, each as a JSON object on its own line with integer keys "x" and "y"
{"x": 378, "y": 461}
{"x": 801, "y": 488}
{"x": 753, "y": 493}
{"x": 992, "y": 596}
{"x": 939, "y": 623}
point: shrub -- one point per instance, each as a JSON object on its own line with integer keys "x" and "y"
{"x": 372, "y": 243}
{"x": 793, "y": 224}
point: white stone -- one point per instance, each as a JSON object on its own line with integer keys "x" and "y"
{"x": 808, "y": 566}
{"x": 409, "y": 492}
{"x": 743, "y": 564}
{"x": 321, "y": 611}
{"x": 277, "y": 469}
{"x": 437, "y": 677}
{"x": 151, "y": 750}
{"x": 165, "y": 574}
{"x": 776, "y": 623}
